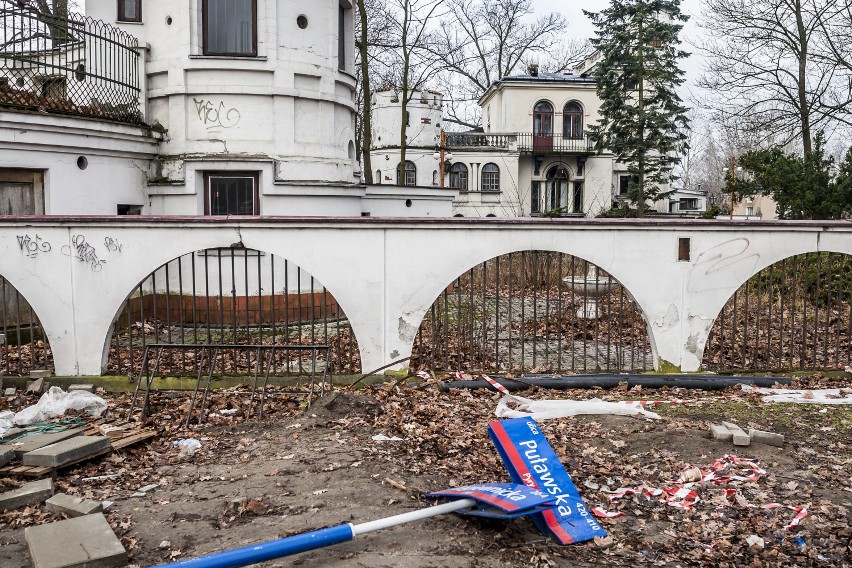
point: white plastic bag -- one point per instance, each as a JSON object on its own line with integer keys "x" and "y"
{"x": 56, "y": 402}
{"x": 803, "y": 396}
{"x": 545, "y": 409}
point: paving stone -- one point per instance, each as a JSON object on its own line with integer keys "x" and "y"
{"x": 35, "y": 386}
{"x": 31, "y": 493}
{"x": 763, "y": 437}
{"x": 739, "y": 436}
{"x": 40, "y": 374}
{"x": 11, "y": 391}
{"x": 7, "y": 454}
{"x": 72, "y": 505}
{"x": 12, "y": 433}
{"x": 67, "y": 451}
{"x": 36, "y": 441}
{"x": 87, "y": 388}
{"x": 83, "y": 542}
{"x": 720, "y": 432}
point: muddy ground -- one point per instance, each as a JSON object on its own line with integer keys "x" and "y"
{"x": 302, "y": 468}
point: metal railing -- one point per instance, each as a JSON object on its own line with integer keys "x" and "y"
{"x": 534, "y": 311}
{"x": 231, "y": 296}
{"x": 795, "y": 314}
{"x": 71, "y": 65}
{"x": 479, "y": 140}
{"x": 555, "y": 144}
{"x": 520, "y": 142}
{"x": 23, "y": 346}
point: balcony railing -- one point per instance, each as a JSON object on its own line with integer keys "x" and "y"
{"x": 71, "y": 65}
{"x": 524, "y": 142}
{"x": 555, "y": 144}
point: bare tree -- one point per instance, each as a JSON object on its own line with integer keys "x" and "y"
{"x": 483, "y": 40}
{"x": 762, "y": 71}
{"x": 409, "y": 60}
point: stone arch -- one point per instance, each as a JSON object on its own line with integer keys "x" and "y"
{"x": 793, "y": 313}
{"x": 458, "y": 260}
{"x": 25, "y": 345}
{"x": 230, "y": 295}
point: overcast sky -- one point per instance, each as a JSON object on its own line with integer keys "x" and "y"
{"x": 580, "y": 27}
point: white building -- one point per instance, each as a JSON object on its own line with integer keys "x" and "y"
{"x": 532, "y": 156}
{"x": 199, "y": 107}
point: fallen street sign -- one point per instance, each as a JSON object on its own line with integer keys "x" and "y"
{"x": 531, "y": 461}
{"x": 499, "y": 500}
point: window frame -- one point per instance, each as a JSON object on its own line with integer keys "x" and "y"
{"x": 492, "y": 186}
{"x": 569, "y": 118}
{"x": 410, "y": 167}
{"x": 463, "y": 172}
{"x": 204, "y": 34}
{"x": 122, "y": 17}
{"x": 254, "y": 175}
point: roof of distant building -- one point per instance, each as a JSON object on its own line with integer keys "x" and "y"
{"x": 548, "y": 77}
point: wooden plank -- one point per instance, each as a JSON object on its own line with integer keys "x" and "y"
{"x": 134, "y": 438}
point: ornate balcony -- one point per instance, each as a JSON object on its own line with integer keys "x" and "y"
{"x": 69, "y": 65}
{"x": 523, "y": 142}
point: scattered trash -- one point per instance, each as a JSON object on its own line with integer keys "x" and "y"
{"x": 383, "y": 438}
{"x": 548, "y": 409}
{"x": 756, "y": 542}
{"x": 188, "y": 447}
{"x": 229, "y": 411}
{"x": 803, "y": 396}
{"x": 57, "y": 402}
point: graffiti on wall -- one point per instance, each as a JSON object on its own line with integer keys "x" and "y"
{"x": 33, "y": 246}
{"x": 214, "y": 116}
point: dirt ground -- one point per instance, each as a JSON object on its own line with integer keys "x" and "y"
{"x": 302, "y": 468}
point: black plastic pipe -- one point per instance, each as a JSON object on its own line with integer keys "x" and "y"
{"x": 703, "y": 382}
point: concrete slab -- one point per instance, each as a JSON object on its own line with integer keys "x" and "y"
{"x": 72, "y": 505}
{"x": 719, "y": 432}
{"x": 67, "y": 451}
{"x": 12, "y": 433}
{"x": 35, "y": 386}
{"x": 83, "y": 542}
{"x": 36, "y": 441}
{"x": 763, "y": 437}
{"x": 40, "y": 374}
{"x": 29, "y": 494}
{"x": 87, "y": 388}
{"x": 11, "y": 391}
{"x": 7, "y": 454}
{"x": 739, "y": 436}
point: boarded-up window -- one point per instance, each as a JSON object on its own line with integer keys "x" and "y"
{"x": 21, "y": 192}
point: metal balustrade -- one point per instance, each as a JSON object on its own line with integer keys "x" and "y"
{"x": 71, "y": 64}
{"x": 524, "y": 142}
{"x": 23, "y": 345}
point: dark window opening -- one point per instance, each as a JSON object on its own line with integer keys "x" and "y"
{"x": 535, "y": 198}
{"x": 458, "y": 177}
{"x": 627, "y": 183}
{"x": 231, "y": 193}
{"x": 572, "y": 121}
{"x": 556, "y": 196}
{"x": 341, "y": 34}
{"x": 490, "y": 177}
{"x": 229, "y": 27}
{"x": 123, "y": 209}
{"x": 129, "y": 10}
{"x": 409, "y": 176}
{"x": 578, "y": 197}
{"x": 683, "y": 245}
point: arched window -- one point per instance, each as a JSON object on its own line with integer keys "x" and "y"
{"x": 378, "y": 178}
{"x": 410, "y": 175}
{"x": 572, "y": 120}
{"x": 556, "y": 196}
{"x": 434, "y": 177}
{"x": 458, "y": 176}
{"x": 543, "y": 125}
{"x": 490, "y": 177}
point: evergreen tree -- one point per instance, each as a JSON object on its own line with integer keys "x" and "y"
{"x": 803, "y": 187}
{"x": 643, "y": 121}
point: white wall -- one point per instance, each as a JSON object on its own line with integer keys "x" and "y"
{"x": 115, "y": 157}
{"x": 385, "y": 274}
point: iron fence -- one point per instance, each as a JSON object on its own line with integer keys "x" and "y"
{"x": 23, "y": 346}
{"x": 795, "y": 314}
{"x": 231, "y": 296}
{"x": 534, "y": 311}
{"x": 68, "y": 64}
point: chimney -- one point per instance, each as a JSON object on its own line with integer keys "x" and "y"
{"x": 532, "y": 69}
